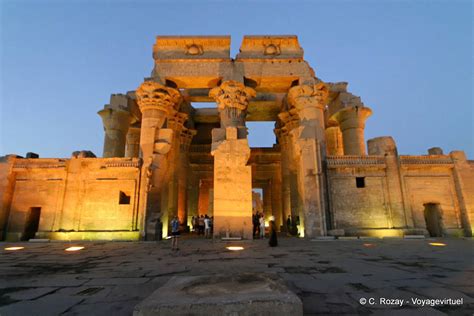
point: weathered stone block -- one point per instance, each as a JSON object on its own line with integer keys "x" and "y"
{"x": 244, "y": 294}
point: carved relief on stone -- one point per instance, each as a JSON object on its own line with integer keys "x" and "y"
{"x": 194, "y": 49}
{"x": 303, "y": 96}
{"x": 152, "y": 95}
{"x": 186, "y": 137}
{"x": 232, "y": 94}
{"x": 176, "y": 122}
{"x": 272, "y": 49}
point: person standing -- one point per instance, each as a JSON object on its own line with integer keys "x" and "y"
{"x": 288, "y": 224}
{"x": 273, "y": 242}
{"x": 207, "y": 227}
{"x": 201, "y": 225}
{"x": 262, "y": 226}
{"x": 255, "y": 222}
{"x": 174, "y": 233}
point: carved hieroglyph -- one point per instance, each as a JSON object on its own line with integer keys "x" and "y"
{"x": 232, "y": 177}
{"x": 232, "y": 187}
{"x": 309, "y": 149}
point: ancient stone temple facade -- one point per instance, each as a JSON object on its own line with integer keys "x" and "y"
{"x": 165, "y": 156}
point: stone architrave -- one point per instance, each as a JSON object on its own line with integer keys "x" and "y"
{"x": 310, "y": 149}
{"x": 156, "y": 102}
{"x": 232, "y": 176}
{"x": 116, "y": 124}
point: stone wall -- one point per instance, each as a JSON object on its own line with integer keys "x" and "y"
{"x": 369, "y": 205}
{"x": 78, "y": 198}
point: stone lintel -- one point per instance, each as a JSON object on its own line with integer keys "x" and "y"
{"x": 270, "y": 47}
{"x": 169, "y": 48}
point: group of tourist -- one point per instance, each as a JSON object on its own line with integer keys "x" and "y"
{"x": 258, "y": 221}
{"x": 202, "y": 225}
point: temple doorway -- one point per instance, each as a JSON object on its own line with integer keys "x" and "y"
{"x": 32, "y": 223}
{"x": 433, "y": 218}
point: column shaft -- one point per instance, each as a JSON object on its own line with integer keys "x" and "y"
{"x": 116, "y": 123}
{"x": 352, "y": 122}
{"x": 133, "y": 143}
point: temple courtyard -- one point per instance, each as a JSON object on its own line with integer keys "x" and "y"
{"x": 390, "y": 276}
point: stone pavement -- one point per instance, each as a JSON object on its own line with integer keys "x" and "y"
{"x": 330, "y": 277}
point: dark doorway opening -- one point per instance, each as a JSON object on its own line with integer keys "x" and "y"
{"x": 433, "y": 218}
{"x": 32, "y": 223}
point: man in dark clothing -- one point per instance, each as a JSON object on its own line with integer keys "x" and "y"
{"x": 256, "y": 225}
{"x": 273, "y": 242}
{"x": 288, "y": 224}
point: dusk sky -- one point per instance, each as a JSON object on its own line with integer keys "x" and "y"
{"x": 409, "y": 61}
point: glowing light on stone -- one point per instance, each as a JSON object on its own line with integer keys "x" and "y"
{"x": 235, "y": 248}
{"x": 75, "y": 248}
{"x": 437, "y": 244}
{"x": 14, "y": 248}
{"x": 369, "y": 245}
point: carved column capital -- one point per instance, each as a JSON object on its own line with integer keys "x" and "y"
{"x": 185, "y": 138}
{"x": 352, "y": 117}
{"x": 155, "y": 96}
{"x": 116, "y": 124}
{"x": 232, "y": 99}
{"x": 232, "y": 94}
{"x": 176, "y": 122}
{"x": 115, "y": 119}
{"x": 308, "y": 96}
{"x": 352, "y": 123}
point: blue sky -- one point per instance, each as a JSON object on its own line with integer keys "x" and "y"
{"x": 410, "y": 61}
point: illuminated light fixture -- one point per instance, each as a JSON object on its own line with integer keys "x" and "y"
{"x": 168, "y": 237}
{"x": 369, "y": 245}
{"x": 235, "y": 248}
{"x": 14, "y": 248}
{"x": 76, "y": 248}
{"x": 437, "y": 244}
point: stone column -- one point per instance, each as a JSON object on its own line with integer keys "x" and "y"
{"x": 399, "y": 215}
{"x": 463, "y": 175}
{"x": 176, "y": 124}
{"x": 192, "y": 195}
{"x": 203, "y": 200}
{"x": 310, "y": 149}
{"x": 352, "y": 122}
{"x": 283, "y": 140}
{"x": 133, "y": 142}
{"x": 156, "y": 102}
{"x": 232, "y": 176}
{"x": 267, "y": 201}
{"x": 185, "y": 139}
{"x": 116, "y": 123}
{"x": 334, "y": 141}
{"x": 276, "y": 200}
{"x": 291, "y": 122}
